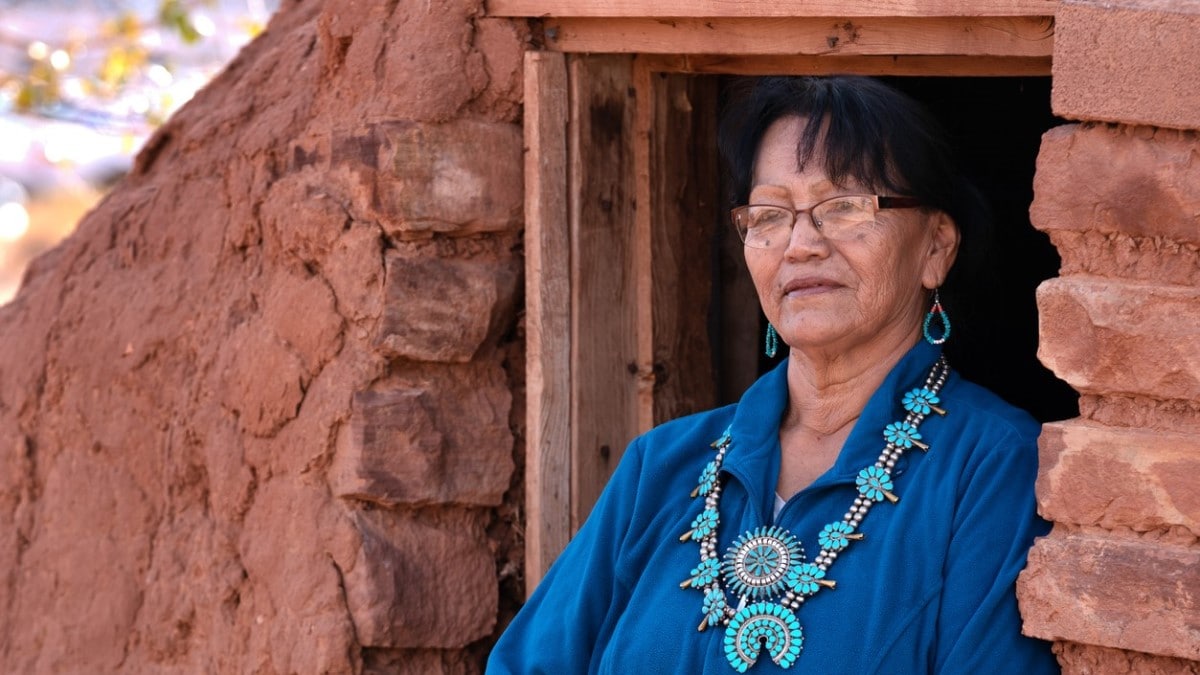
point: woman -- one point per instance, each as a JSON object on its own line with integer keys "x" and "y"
{"x": 862, "y": 509}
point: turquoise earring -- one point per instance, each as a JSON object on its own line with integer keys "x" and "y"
{"x": 936, "y": 312}
{"x": 772, "y": 344}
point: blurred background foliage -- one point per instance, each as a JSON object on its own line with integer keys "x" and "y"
{"x": 83, "y": 83}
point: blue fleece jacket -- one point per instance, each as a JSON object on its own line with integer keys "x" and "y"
{"x": 929, "y": 589}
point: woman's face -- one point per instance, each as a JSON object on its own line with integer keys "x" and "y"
{"x": 822, "y": 294}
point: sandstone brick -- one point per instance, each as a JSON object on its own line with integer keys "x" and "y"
{"x": 1095, "y": 475}
{"x": 1135, "y": 181}
{"x": 427, "y": 436}
{"x": 1127, "y": 61}
{"x": 421, "y": 581}
{"x": 1113, "y": 592}
{"x": 464, "y": 176}
{"x": 414, "y": 179}
{"x": 444, "y": 309}
{"x": 1077, "y": 659}
{"x": 418, "y": 662}
{"x": 1121, "y": 338}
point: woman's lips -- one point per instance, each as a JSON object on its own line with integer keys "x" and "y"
{"x": 809, "y": 286}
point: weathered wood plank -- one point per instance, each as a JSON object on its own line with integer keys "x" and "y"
{"x": 643, "y": 224}
{"x": 767, "y": 8}
{"x": 954, "y": 66}
{"x": 968, "y": 36}
{"x": 684, "y": 196}
{"x": 547, "y": 315}
{"x": 603, "y": 286}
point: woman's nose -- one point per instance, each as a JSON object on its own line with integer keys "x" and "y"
{"x": 806, "y": 240}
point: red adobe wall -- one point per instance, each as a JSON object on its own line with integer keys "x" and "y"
{"x": 258, "y": 415}
{"x": 1117, "y": 583}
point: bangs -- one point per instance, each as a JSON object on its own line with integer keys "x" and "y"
{"x": 859, "y": 129}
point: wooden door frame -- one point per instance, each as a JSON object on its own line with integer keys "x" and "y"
{"x": 600, "y": 314}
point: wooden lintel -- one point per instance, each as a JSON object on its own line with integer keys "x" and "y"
{"x": 767, "y": 8}
{"x": 954, "y": 66}
{"x": 1024, "y": 36}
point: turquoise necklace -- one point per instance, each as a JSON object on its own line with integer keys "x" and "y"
{"x": 766, "y": 569}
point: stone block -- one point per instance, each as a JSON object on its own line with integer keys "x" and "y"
{"x": 461, "y": 177}
{"x": 414, "y": 179}
{"x": 1128, "y": 61}
{"x": 1133, "y": 181}
{"x": 418, "y": 662}
{"x": 430, "y": 435}
{"x": 1077, "y": 659}
{"x": 1118, "y": 478}
{"x": 1113, "y": 592}
{"x": 439, "y": 309}
{"x": 1109, "y": 337}
{"x": 421, "y": 581}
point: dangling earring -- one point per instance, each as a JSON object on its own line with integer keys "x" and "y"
{"x": 937, "y": 312}
{"x": 772, "y": 344}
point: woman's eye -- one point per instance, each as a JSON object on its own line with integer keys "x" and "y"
{"x": 841, "y": 206}
{"x": 767, "y": 217}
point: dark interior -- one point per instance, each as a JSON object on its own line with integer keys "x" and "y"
{"x": 997, "y": 123}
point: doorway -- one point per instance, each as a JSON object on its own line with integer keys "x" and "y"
{"x": 995, "y": 124}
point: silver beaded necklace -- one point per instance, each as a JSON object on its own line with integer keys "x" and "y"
{"x": 765, "y": 568}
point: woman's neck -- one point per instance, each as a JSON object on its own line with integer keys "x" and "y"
{"x": 828, "y": 391}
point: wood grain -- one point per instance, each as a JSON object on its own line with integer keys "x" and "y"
{"x": 684, "y": 198}
{"x": 767, "y": 8}
{"x": 955, "y": 66}
{"x": 547, "y": 315}
{"x": 965, "y": 36}
{"x": 604, "y": 328}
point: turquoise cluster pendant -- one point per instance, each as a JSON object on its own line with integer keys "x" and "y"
{"x": 765, "y": 568}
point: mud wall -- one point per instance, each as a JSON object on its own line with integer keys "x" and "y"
{"x": 260, "y": 413}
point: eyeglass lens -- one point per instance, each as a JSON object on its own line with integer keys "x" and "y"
{"x": 762, "y": 226}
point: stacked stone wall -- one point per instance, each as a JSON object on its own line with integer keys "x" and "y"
{"x": 1117, "y": 582}
{"x": 260, "y": 413}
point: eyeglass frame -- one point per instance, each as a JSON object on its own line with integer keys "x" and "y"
{"x": 881, "y": 202}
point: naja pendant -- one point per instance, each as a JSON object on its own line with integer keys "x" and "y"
{"x": 763, "y": 626}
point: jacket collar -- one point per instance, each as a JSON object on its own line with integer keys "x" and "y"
{"x": 754, "y": 454}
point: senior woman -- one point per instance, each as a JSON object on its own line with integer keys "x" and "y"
{"x": 863, "y": 508}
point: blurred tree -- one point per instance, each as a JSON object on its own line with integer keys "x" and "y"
{"x": 130, "y": 53}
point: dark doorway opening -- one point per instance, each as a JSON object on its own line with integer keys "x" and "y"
{"x": 996, "y": 124}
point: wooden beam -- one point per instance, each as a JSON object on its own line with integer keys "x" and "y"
{"x": 643, "y": 226}
{"x": 547, "y": 315}
{"x": 961, "y": 36}
{"x": 683, "y": 200}
{"x": 767, "y": 8}
{"x": 604, "y": 326}
{"x": 952, "y": 66}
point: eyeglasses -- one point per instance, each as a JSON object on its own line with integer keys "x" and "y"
{"x": 838, "y": 218}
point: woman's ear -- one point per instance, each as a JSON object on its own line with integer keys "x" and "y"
{"x": 943, "y": 248}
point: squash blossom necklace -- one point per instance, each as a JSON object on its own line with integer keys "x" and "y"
{"x": 766, "y": 567}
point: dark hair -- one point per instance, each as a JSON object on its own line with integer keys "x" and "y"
{"x": 869, "y": 132}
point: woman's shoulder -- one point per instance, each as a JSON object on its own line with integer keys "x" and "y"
{"x": 680, "y": 438}
{"x": 984, "y": 409}
{"x": 983, "y": 416}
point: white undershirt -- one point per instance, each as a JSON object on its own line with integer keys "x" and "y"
{"x": 779, "y": 502}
